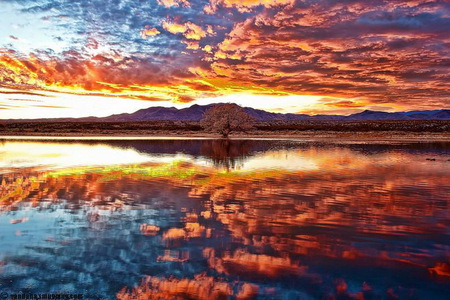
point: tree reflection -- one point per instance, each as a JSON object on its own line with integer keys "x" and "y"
{"x": 228, "y": 154}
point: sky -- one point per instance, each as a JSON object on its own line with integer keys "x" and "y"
{"x": 74, "y": 58}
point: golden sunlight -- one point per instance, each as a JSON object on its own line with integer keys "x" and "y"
{"x": 272, "y": 103}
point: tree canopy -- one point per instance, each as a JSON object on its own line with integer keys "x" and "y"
{"x": 227, "y": 118}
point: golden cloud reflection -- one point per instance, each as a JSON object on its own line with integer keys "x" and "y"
{"x": 247, "y": 264}
{"x": 201, "y": 287}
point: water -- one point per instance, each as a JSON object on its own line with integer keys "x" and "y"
{"x": 212, "y": 219}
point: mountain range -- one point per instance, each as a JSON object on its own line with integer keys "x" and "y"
{"x": 195, "y": 113}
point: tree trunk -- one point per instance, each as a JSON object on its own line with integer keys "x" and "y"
{"x": 226, "y": 132}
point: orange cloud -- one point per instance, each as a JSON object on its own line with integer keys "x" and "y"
{"x": 190, "y": 30}
{"x": 344, "y": 104}
{"x": 176, "y": 3}
{"x": 207, "y": 49}
{"x": 243, "y": 5}
{"x": 210, "y": 30}
{"x": 149, "y": 31}
{"x": 192, "y": 45}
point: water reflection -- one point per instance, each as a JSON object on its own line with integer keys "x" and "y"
{"x": 237, "y": 219}
{"x": 226, "y": 154}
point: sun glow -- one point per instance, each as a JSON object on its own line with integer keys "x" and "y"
{"x": 73, "y": 102}
{"x": 42, "y": 104}
{"x": 281, "y": 104}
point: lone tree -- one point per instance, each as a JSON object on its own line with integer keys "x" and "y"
{"x": 227, "y": 118}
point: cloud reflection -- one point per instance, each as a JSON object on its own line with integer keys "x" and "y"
{"x": 193, "y": 229}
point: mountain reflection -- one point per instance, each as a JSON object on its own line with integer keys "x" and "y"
{"x": 258, "y": 219}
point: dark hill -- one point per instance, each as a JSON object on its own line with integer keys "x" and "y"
{"x": 195, "y": 113}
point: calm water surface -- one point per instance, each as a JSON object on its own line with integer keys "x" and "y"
{"x": 214, "y": 219}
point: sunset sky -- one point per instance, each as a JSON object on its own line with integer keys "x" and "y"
{"x": 73, "y": 58}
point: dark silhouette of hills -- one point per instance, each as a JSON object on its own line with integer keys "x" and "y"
{"x": 443, "y": 114}
{"x": 195, "y": 113}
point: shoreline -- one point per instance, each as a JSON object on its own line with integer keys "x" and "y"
{"x": 317, "y": 136}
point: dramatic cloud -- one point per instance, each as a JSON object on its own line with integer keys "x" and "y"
{"x": 393, "y": 55}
